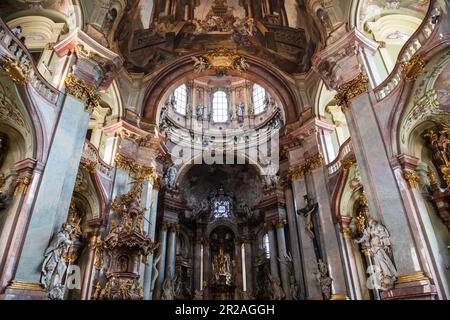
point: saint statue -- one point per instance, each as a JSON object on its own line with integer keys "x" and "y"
{"x": 168, "y": 291}
{"x": 324, "y": 280}
{"x": 240, "y": 109}
{"x": 54, "y": 266}
{"x": 376, "y": 239}
{"x": 171, "y": 176}
{"x": 199, "y": 112}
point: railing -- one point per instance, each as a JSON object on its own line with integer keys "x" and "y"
{"x": 344, "y": 151}
{"x": 417, "y": 40}
{"x": 18, "y": 50}
{"x": 91, "y": 157}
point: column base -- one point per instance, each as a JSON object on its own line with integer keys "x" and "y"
{"x": 414, "y": 286}
{"x": 24, "y": 291}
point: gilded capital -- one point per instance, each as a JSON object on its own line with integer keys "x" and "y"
{"x": 352, "y": 89}
{"x": 80, "y": 90}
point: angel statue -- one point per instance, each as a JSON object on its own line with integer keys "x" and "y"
{"x": 200, "y": 64}
{"x": 242, "y": 65}
{"x": 376, "y": 239}
{"x": 54, "y": 266}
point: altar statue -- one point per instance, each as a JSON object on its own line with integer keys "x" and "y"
{"x": 221, "y": 267}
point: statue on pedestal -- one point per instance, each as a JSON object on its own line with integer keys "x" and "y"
{"x": 376, "y": 239}
{"x": 54, "y": 266}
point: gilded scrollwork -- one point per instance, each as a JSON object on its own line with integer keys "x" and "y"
{"x": 18, "y": 72}
{"x": 80, "y": 90}
{"x": 352, "y": 89}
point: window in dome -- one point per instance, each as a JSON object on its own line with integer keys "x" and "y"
{"x": 220, "y": 107}
{"x": 259, "y": 98}
{"x": 180, "y": 99}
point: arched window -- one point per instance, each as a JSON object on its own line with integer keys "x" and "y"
{"x": 259, "y": 98}
{"x": 266, "y": 245}
{"x": 180, "y": 99}
{"x": 220, "y": 107}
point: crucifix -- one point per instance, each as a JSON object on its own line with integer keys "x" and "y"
{"x": 312, "y": 227}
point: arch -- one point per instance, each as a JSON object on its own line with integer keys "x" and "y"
{"x": 326, "y": 109}
{"x": 163, "y": 84}
{"x": 187, "y": 165}
{"x": 221, "y": 223}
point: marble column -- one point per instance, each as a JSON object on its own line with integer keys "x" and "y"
{"x": 206, "y": 267}
{"x": 18, "y": 233}
{"x": 89, "y": 268}
{"x": 148, "y": 274}
{"x": 294, "y": 240}
{"x": 328, "y": 233}
{"x": 52, "y": 199}
{"x": 349, "y": 249}
{"x": 248, "y": 266}
{"x": 309, "y": 261}
{"x": 162, "y": 262}
{"x": 239, "y": 271}
{"x": 273, "y": 252}
{"x": 387, "y": 207}
{"x": 171, "y": 248}
{"x": 198, "y": 265}
{"x": 282, "y": 253}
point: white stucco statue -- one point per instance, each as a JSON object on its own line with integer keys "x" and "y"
{"x": 171, "y": 176}
{"x": 54, "y": 266}
{"x": 375, "y": 238}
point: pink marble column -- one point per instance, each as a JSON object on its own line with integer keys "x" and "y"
{"x": 33, "y": 170}
{"x": 89, "y": 267}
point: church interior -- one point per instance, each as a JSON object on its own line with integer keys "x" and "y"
{"x": 224, "y": 150}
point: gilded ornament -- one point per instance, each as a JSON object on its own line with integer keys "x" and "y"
{"x": 82, "y": 91}
{"x": 97, "y": 291}
{"x": 22, "y": 184}
{"x": 350, "y": 90}
{"x": 414, "y": 67}
{"x": 347, "y": 164}
{"x": 412, "y": 178}
{"x": 18, "y": 72}
{"x": 412, "y": 277}
{"x": 315, "y": 162}
{"x": 432, "y": 178}
{"x": 221, "y": 61}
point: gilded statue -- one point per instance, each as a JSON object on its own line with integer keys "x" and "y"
{"x": 221, "y": 266}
